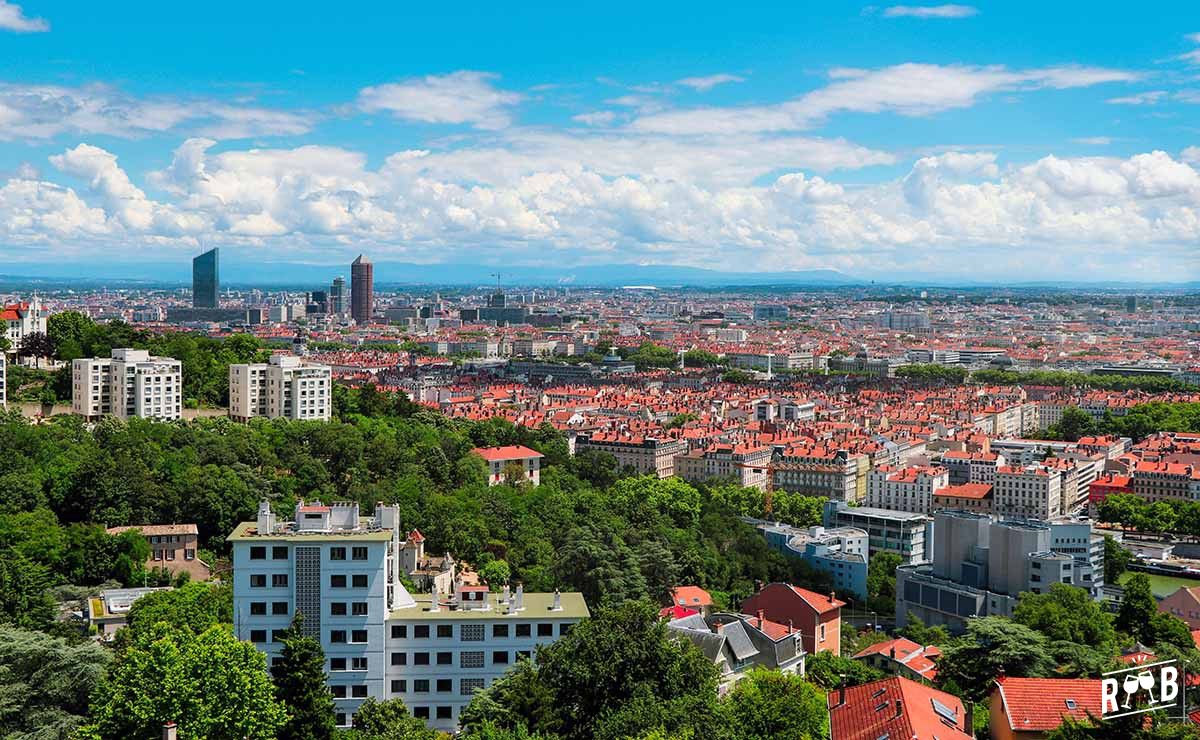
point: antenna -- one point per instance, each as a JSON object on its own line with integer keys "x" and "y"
{"x": 497, "y": 276}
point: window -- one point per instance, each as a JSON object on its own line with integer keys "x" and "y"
{"x": 421, "y": 686}
{"x": 443, "y": 712}
{"x": 500, "y": 657}
{"x": 564, "y": 628}
{"x": 258, "y": 580}
{"x": 258, "y": 552}
{"x": 277, "y": 635}
{"x": 258, "y": 608}
{"x": 359, "y": 608}
{"x": 279, "y": 607}
{"x": 337, "y": 608}
{"x": 340, "y": 719}
{"x": 421, "y": 631}
{"x": 337, "y": 636}
{"x": 445, "y": 630}
{"x": 358, "y": 664}
{"x": 399, "y": 631}
{"x": 524, "y": 654}
{"x": 358, "y": 553}
{"x": 258, "y": 635}
{"x": 358, "y": 692}
{"x": 523, "y": 630}
{"x": 468, "y": 686}
{"x": 445, "y": 685}
{"x": 339, "y": 692}
{"x": 421, "y": 712}
{"x": 399, "y": 658}
{"x": 279, "y": 580}
{"x": 471, "y": 659}
{"x": 189, "y": 553}
{"x": 399, "y": 686}
{"x": 445, "y": 658}
{"x": 337, "y": 553}
{"x": 360, "y": 580}
{"x": 358, "y": 636}
{"x": 499, "y": 630}
{"x": 337, "y": 664}
{"x": 337, "y": 581}
{"x": 279, "y": 552}
{"x": 420, "y": 658}
{"x": 545, "y": 630}
{"x": 471, "y": 632}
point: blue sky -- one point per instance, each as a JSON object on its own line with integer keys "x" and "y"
{"x": 1006, "y": 140}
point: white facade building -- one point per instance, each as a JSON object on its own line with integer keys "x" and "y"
{"x": 19, "y": 320}
{"x": 1028, "y": 492}
{"x": 287, "y": 387}
{"x": 129, "y": 384}
{"x": 906, "y": 489}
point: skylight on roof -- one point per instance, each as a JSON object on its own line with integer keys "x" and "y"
{"x": 1071, "y": 703}
{"x": 944, "y": 711}
{"x": 881, "y": 707}
{"x": 879, "y": 692}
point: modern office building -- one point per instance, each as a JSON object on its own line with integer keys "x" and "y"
{"x": 981, "y": 566}
{"x": 129, "y": 384}
{"x": 206, "y": 280}
{"x": 287, "y": 387}
{"x": 362, "y": 290}
{"x": 337, "y": 296}
{"x": 904, "y": 533}
{"x": 342, "y": 572}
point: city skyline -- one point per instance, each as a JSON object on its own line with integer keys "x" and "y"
{"x": 896, "y": 142}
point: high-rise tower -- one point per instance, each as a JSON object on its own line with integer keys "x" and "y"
{"x": 362, "y": 289}
{"x": 337, "y": 296}
{"x": 206, "y": 281}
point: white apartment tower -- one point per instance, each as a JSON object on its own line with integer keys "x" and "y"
{"x": 287, "y": 387}
{"x": 129, "y": 384}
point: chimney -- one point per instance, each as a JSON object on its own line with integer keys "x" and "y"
{"x": 899, "y": 708}
{"x": 791, "y": 629}
{"x": 892, "y": 652}
{"x": 970, "y": 717}
{"x": 169, "y": 731}
{"x": 718, "y": 627}
{"x": 520, "y": 598}
{"x": 842, "y": 691}
{"x": 507, "y": 595}
{"x": 832, "y": 597}
{"x": 760, "y": 618}
{"x": 557, "y": 602}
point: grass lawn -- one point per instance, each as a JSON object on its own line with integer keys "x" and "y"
{"x": 1162, "y": 585}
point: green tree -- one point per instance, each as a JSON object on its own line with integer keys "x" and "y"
{"x": 1066, "y": 613}
{"x": 212, "y": 685}
{"x": 495, "y": 573}
{"x": 45, "y": 683}
{"x": 991, "y": 646}
{"x": 881, "y": 582}
{"x": 194, "y": 607}
{"x": 25, "y": 599}
{"x": 389, "y": 720}
{"x": 300, "y": 686}
{"x": 1116, "y": 560}
{"x": 828, "y": 670}
{"x": 1075, "y": 423}
{"x": 768, "y": 704}
{"x": 1138, "y": 608}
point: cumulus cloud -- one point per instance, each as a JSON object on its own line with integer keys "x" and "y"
{"x": 596, "y": 118}
{"x": 463, "y": 97}
{"x": 905, "y": 89}
{"x": 12, "y": 18}
{"x": 930, "y": 11}
{"x": 46, "y": 111}
{"x": 704, "y": 84}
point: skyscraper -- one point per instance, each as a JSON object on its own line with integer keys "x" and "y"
{"x": 206, "y": 282}
{"x": 362, "y": 289}
{"x": 337, "y": 296}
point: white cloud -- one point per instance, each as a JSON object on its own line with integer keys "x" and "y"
{"x": 1191, "y": 56}
{"x": 463, "y": 97}
{"x": 704, "y": 84}
{"x": 1093, "y": 140}
{"x": 1143, "y": 98}
{"x": 930, "y": 11}
{"x": 1191, "y": 154}
{"x": 13, "y": 19}
{"x": 907, "y": 89}
{"x": 596, "y": 118}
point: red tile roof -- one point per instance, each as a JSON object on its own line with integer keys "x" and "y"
{"x": 691, "y": 596}
{"x": 1039, "y": 704}
{"x": 820, "y": 603}
{"x": 511, "y": 452}
{"x": 898, "y": 708}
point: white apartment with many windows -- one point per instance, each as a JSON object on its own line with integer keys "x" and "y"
{"x": 287, "y": 387}
{"x": 342, "y": 572}
{"x": 129, "y": 384}
{"x": 906, "y": 489}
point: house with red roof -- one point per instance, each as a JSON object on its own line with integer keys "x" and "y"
{"x": 500, "y": 459}
{"x": 899, "y": 709}
{"x": 902, "y": 657}
{"x": 692, "y": 597}
{"x": 818, "y": 617}
{"x": 1028, "y": 708}
{"x": 1184, "y": 604}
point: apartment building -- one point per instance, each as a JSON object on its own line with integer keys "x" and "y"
{"x": 19, "y": 320}
{"x": 744, "y": 464}
{"x": 835, "y": 474}
{"x": 286, "y": 387}
{"x": 903, "y": 533}
{"x": 980, "y": 567}
{"x": 973, "y": 497}
{"x": 646, "y": 455}
{"x": 518, "y": 456}
{"x": 173, "y": 547}
{"x": 342, "y": 572}
{"x": 129, "y": 384}
{"x": 906, "y": 489}
{"x": 1028, "y": 492}
{"x": 1166, "y": 481}
{"x": 842, "y": 552}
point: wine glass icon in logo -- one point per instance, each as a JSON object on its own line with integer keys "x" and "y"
{"x": 1130, "y": 686}
{"x": 1146, "y": 681}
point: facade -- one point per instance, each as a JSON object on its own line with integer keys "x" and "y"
{"x": 206, "y": 280}
{"x": 286, "y": 387}
{"x": 770, "y": 312}
{"x": 1184, "y": 604}
{"x": 744, "y": 464}
{"x": 174, "y": 547}
{"x": 646, "y": 455}
{"x": 834, "y": 474}
{"x": 337, "y": 297}
{"x": 736, "y": 643}
{"x": 903, "y": 533}
{"x": 902, "y": 657}
{"x": 905, "y": 489}
{"x": 1166, "y": 481}
{"x": 342, "y": 572}
{"x": 1030, "y": 492}
{"x": 129, "y": 384}
{"x": 981, "y": 566}
{"x": 19, "y": 320}
{"x": 897, "y": 708}
{"x": 362, "y": 290}
{"x": 973, "y": 497}
{"x": 499, "y": 458}
{"x": 841, "y": 552}
{"x": 817, "y": 617}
